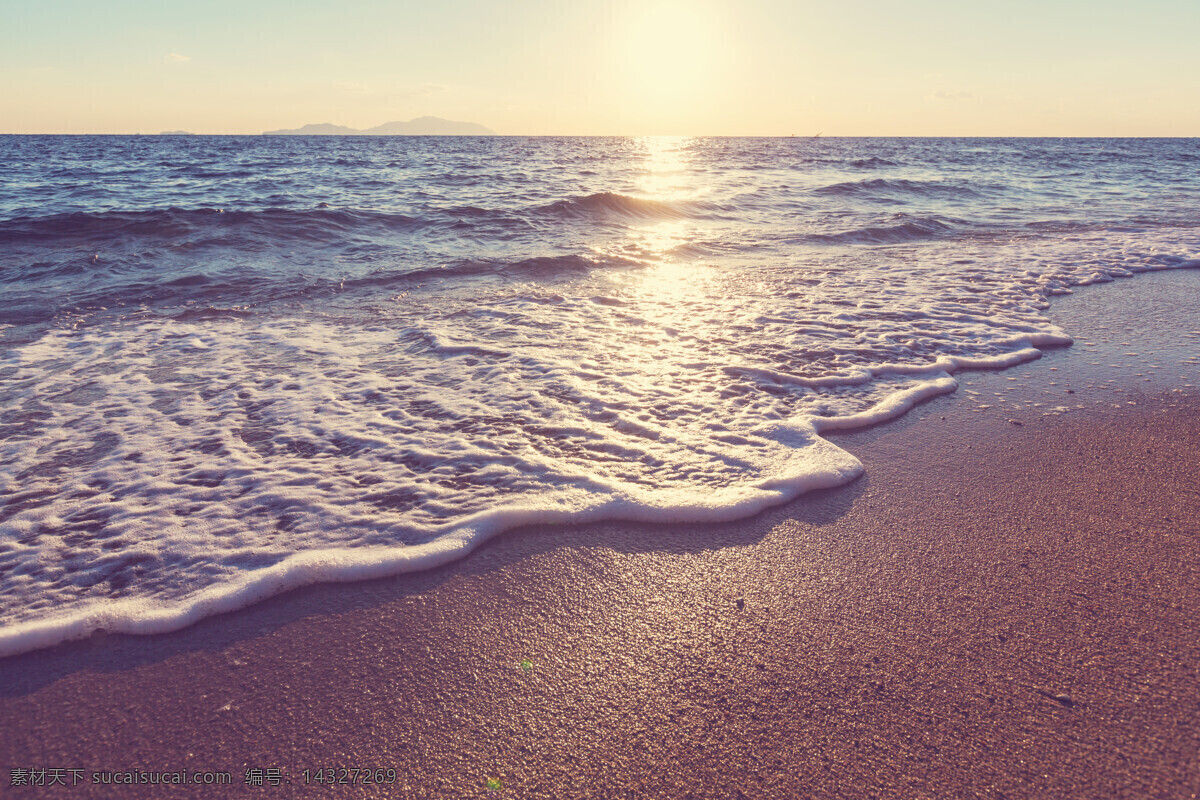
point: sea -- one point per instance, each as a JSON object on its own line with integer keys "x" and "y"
{"x": 234, "y": 365}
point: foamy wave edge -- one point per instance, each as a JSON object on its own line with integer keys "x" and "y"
{"x": 347, "y": 565}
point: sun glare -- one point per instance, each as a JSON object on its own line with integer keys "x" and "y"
{"x": 668, "y": 55}
{"x": 665, "y": 173}
{"x": 667, "y": 177}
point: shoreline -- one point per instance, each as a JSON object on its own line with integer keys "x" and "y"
{"x": 994, "y": 608}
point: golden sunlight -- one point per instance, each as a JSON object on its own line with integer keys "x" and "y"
{"x": 665, "y": 168}
{"x": 667, "y": 177}
{"x": 667, "y": 57}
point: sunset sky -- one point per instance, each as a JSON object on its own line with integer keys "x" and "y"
{"x": 704, "y": 67}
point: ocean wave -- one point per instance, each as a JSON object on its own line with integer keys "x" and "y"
{"x": 875, "y": 187}
{"x": 197, "y": 314}
{"x": 912, "y": 229}
{"x": 97, "y": 229}
{"x": 620, "y": 206}
{"x": 873, "y": 161}
{"x": 552, "y": 265}
{"x": 534, "y": 267}
{"x": 220, "y": 174}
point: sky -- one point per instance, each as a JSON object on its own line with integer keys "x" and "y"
{"x": 606, "y": 67}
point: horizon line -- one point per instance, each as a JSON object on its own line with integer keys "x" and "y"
{"x": 622, "y": 135}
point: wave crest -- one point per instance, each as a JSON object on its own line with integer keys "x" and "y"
{"x": 882, "y": 187}
{"x": 911, "y": 230}
{"x": 99, "y": 228}
{"x": 621, "y": 206}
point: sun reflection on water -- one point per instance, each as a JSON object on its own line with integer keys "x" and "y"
{"x": 666, "y": 170}
{"x": 664, "y": 318}
{"x": 669, "y": 177}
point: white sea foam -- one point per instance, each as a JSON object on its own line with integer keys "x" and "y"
{"x": 166, "y": 485}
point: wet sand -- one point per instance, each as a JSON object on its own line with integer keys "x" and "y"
{"x": 1006, "y": 605}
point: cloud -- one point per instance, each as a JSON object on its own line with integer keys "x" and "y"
{"x": 175, "y": 58}
{"x": 942, "y": 94}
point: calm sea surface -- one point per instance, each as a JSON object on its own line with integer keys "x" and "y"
{"x": 232, "y": 365}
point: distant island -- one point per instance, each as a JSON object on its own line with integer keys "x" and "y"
{"x": 422, "y": 126}
{"x": 177, "y": 133}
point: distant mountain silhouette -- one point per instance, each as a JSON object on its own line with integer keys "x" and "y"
{"x": 422, "y": 126}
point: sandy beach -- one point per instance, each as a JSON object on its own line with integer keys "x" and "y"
{"x": 1005, "y": 605}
